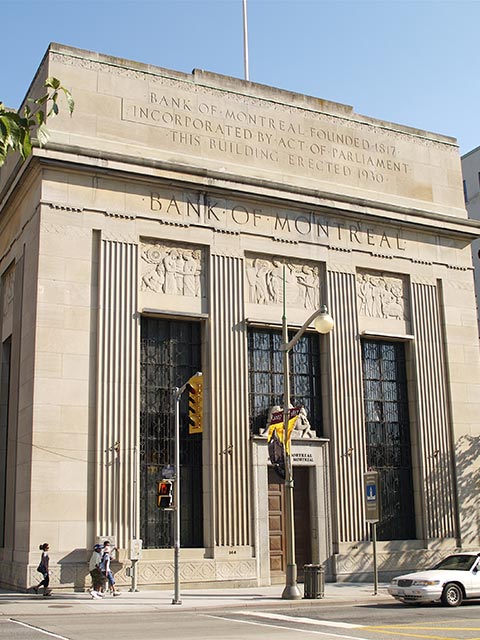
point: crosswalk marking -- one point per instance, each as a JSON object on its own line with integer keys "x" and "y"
{"x": 39, "y": 629}
{"x": 313, "y": 621}
{"x": 272, "y": 625}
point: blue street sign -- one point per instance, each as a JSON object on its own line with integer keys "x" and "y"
{"x": 372, "y": 493}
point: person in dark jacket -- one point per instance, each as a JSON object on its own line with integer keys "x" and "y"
{"x": 44, "y": 569}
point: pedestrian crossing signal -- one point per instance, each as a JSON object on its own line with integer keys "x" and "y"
{"x": 195, "y": 404}
{"x": 164, "y": 494}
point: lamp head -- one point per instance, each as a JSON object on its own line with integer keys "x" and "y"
{"x": 324, "y": 322}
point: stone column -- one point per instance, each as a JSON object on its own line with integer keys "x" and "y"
{"x": 433, "y": 428}
{"x": 347, "y": 423}
{"x": 230, "y": 471}
{"x": 117, "y": 392}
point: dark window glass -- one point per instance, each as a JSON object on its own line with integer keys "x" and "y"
{"x": 266, "y": 376}
{"x": 388, "y": 435}
{"x": 170, "y": 355}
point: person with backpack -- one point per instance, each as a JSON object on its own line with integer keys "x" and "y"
{"x": 43, "y": 568}
{"x": 98, "y": 578}
{"x": 105, "y": 567}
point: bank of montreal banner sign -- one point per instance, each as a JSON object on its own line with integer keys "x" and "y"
{"x": 275, "y": 438}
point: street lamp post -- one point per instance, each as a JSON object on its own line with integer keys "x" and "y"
{"x": 323, "y": 323}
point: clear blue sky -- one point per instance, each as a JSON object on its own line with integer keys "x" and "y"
{"x": 414, "y": 62}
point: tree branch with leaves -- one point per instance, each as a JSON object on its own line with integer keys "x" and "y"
{"x": 16, "y": 129}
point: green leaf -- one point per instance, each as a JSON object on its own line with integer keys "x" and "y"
{"x": 53, "y": 83}
{"x": 15, "y": 128}
{"x": 42, "y": 100}
{"x": 70, "y": 101}
{"x": 43, "y": 135}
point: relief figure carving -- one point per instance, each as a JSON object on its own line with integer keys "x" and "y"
{"x": 266, "y": 286}
{"x": 8, "y": 288}
{"x": 171, "y": 270}
{"x": 380, "y": 296}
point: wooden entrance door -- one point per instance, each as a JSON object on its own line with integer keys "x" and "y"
{"x": 276, "y": 522}
{"x": 301, "y": 510}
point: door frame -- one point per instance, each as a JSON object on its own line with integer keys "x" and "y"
{"x": 312, "y": 453}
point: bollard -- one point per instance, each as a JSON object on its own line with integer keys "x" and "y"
{"x": 314, "y": 581}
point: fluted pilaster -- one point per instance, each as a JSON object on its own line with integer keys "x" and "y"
{"x": 433, "y": 416}
{"x": 230, "y": 451}
{"x": 117, "y": 417}
{"x": 347, "y": 431}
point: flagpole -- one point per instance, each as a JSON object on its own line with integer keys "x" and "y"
{"x": 245, "y": 40}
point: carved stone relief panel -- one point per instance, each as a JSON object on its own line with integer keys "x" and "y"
{"x": 382, "y": 295}
{"x": 265, "y": 282}
{"x": 8, "y": 287}
{"x": 171, "y": 269}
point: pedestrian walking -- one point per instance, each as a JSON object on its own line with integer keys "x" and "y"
{"x": 44, "y": 569}
{"x": 98, "y": 578}
{"x": 105, "y": 566}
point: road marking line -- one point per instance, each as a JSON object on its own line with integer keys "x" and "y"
{"x": 436, "y": 628}
{"x": 408, "y": 635}
{"x": 278, "y": 626}
{"x": 31, "y": 626}
{"x": 284, "y": 618}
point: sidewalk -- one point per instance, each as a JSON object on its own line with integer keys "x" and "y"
{"x": 62, "y": 602}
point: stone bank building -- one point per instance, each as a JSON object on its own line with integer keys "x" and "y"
{"x": 161, "y": 232}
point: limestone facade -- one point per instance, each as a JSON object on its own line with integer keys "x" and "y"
{"x": 223, "y": 203}
{"x": 471, "y": 189}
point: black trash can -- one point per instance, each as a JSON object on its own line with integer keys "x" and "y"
{"x": 313, "y": 581}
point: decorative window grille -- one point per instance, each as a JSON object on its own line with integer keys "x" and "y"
{"x": 170, "y": 354}
{"x": 388, "y": 435}
{"x": 266, "y": 376}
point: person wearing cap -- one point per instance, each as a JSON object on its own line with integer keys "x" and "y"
{"x": 98, "y": 579}
{"x": 106, "y": 568}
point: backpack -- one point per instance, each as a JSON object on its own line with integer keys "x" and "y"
{"x": 103, "y": 564}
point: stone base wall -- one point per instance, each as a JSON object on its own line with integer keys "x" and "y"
{"x": 358, "y": 566}
{"x": 150, "y": 574}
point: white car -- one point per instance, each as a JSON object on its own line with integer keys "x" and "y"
{"x": 454, "y": 579}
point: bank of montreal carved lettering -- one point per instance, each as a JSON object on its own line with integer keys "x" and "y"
{"x": 306, "y": 143}
{"x": 305, "y": 225}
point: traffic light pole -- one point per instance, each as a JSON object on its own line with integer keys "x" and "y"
{"x": 176, "y": 535}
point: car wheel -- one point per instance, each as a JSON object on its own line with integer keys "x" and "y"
{"x": 452, "y": 595}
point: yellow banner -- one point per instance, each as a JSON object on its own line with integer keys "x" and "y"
{"x": 276, "y": 425}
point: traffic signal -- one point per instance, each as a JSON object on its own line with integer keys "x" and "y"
{"x": 195, "y": 403}
{"x": 164, "y": 494}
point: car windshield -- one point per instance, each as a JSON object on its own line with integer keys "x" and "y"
{"x": 456, "y": 563}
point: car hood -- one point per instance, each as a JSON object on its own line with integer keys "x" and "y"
{"x": 440, "y": 574}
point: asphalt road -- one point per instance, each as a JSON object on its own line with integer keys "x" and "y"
{"x": 381, "y": 621}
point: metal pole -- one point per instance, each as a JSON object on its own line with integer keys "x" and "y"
{"x": 245, "y": 40}
{"x": 375, "y": 569}
{"x": 291, "y": 591}
{"x": 176, "y": 535}
{"x": 134, "y": 518}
